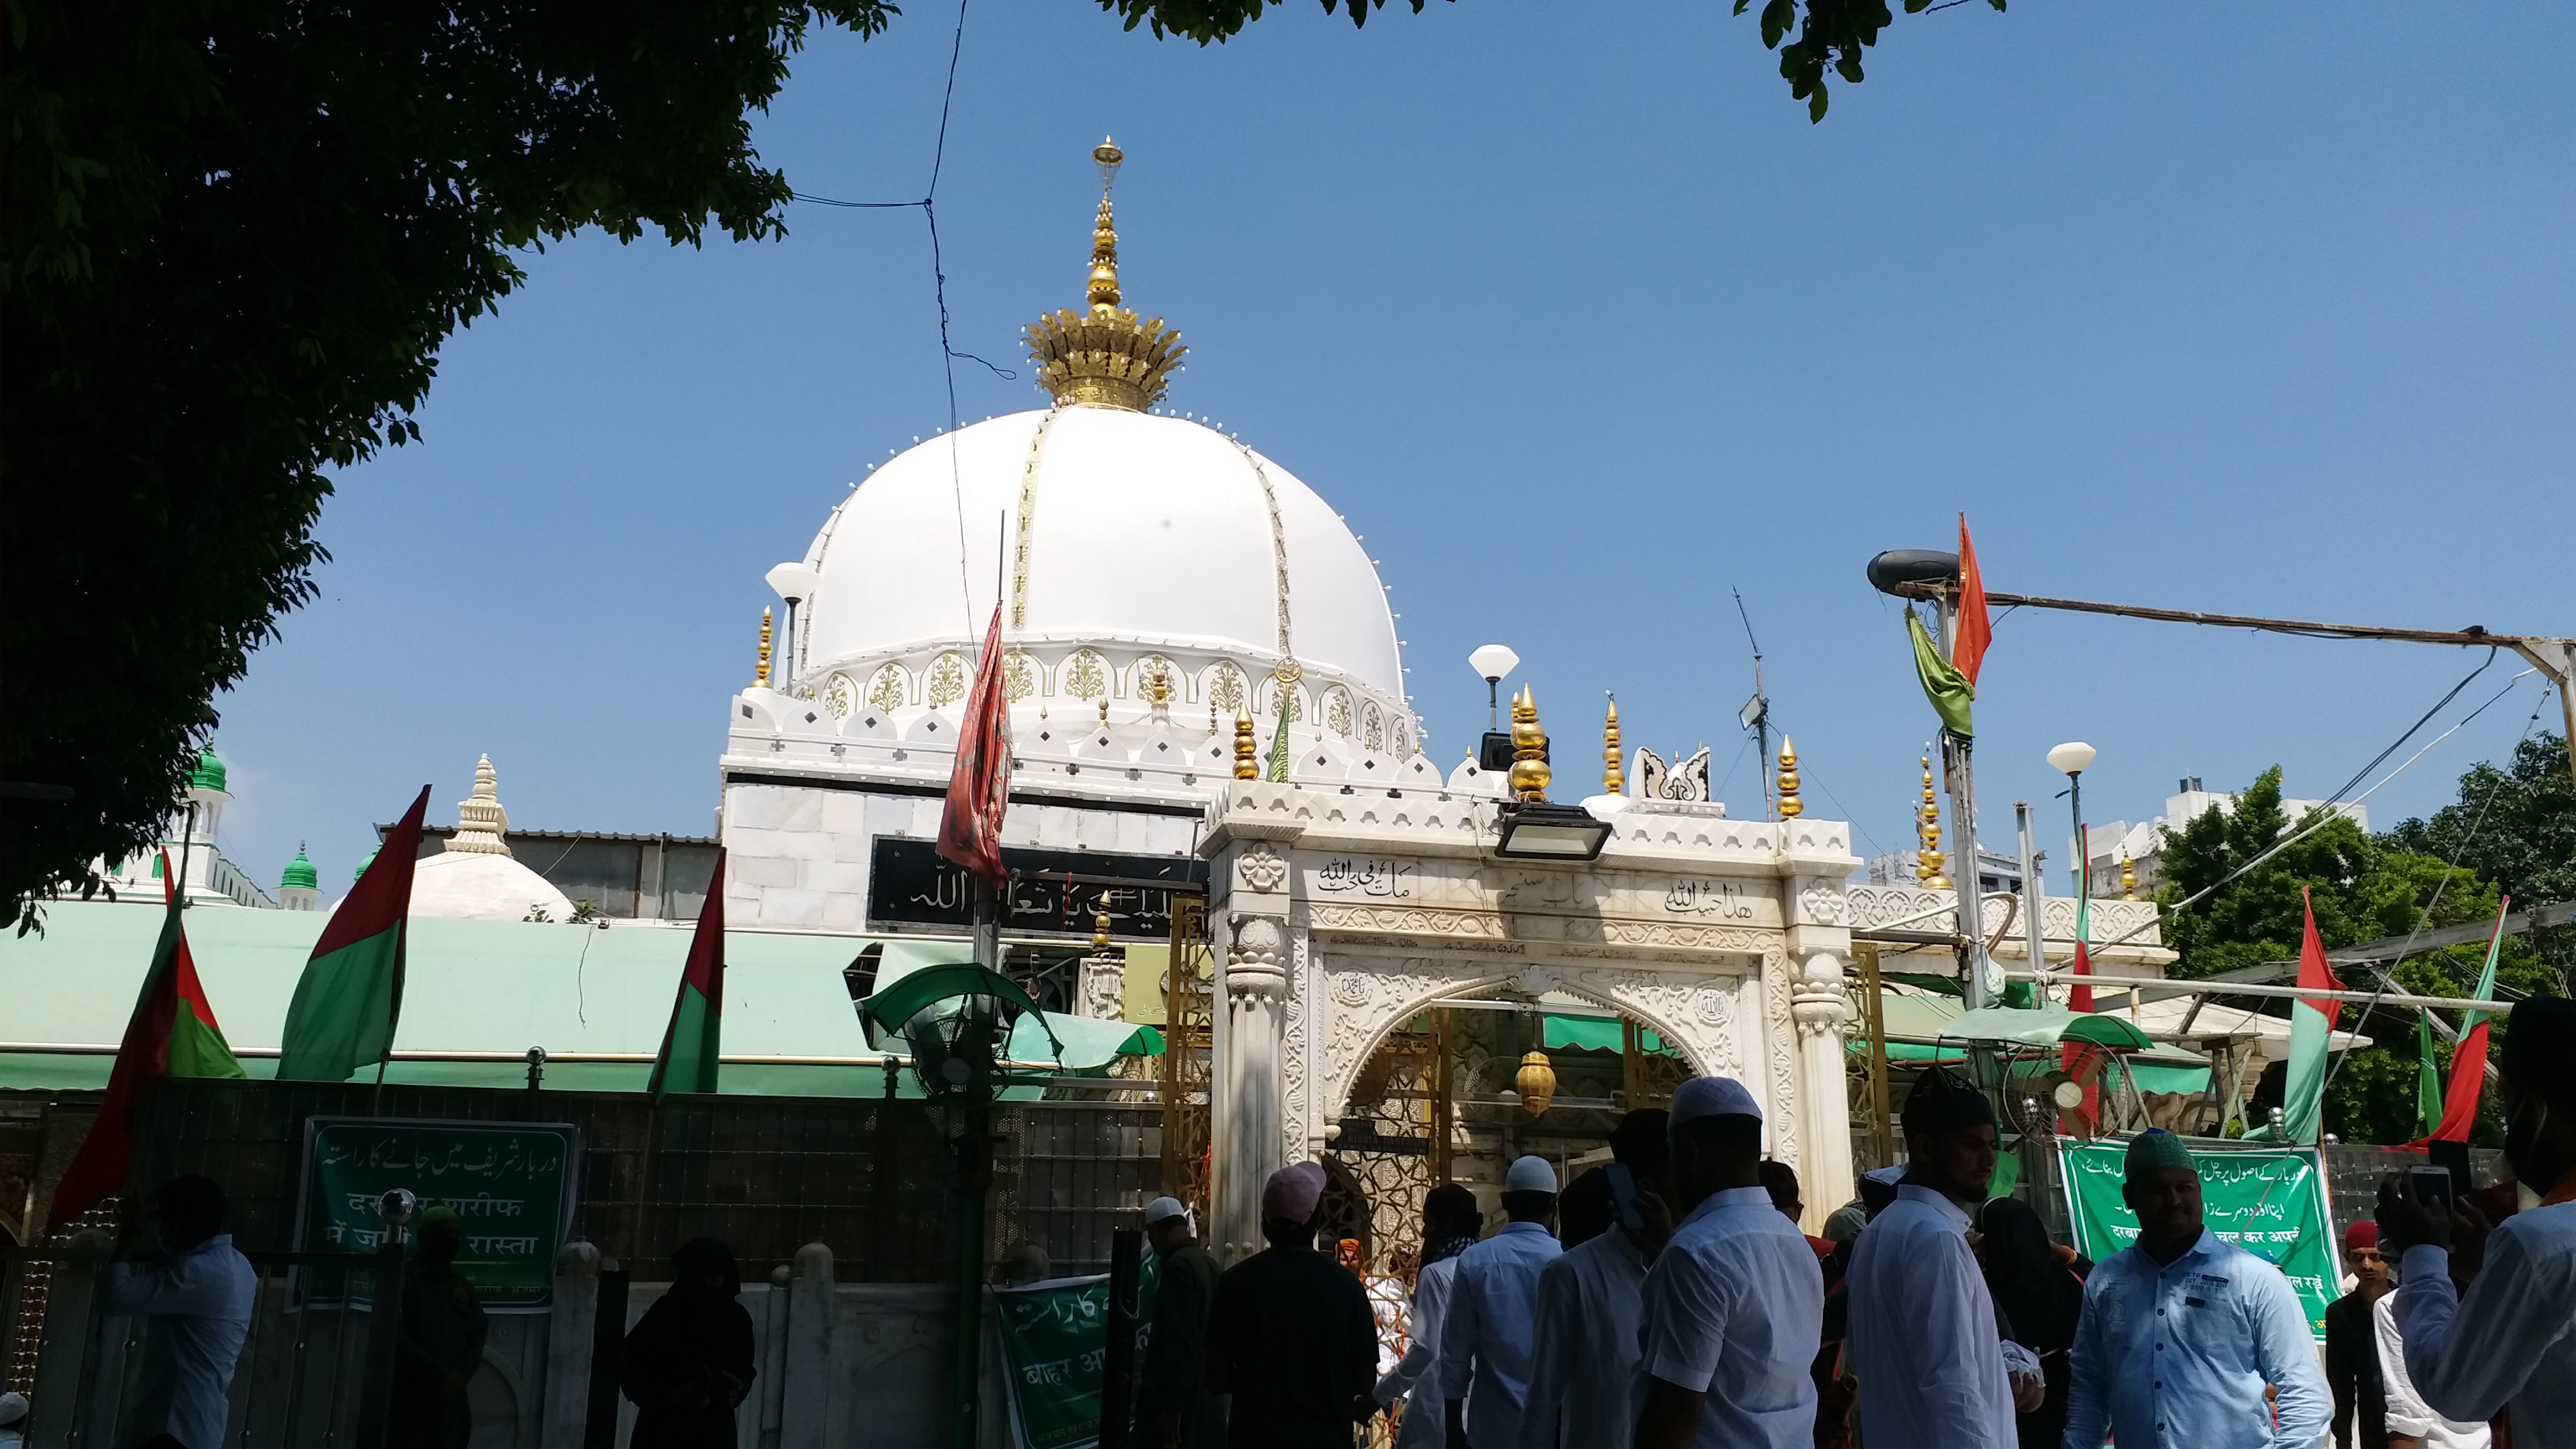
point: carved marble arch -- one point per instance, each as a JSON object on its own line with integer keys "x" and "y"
{"x": 1697, "y": 1011}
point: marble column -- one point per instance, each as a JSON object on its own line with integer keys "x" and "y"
{"x": 1819, "y": 1008}
{"x": 1256, "y": 988}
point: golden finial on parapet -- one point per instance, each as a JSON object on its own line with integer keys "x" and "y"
{"x": 2128, "y": 878}
{"x": 1790, "y": 807}
{"x": 760, "y": 672}
{"x": 1103, "y": 356}
{"x": 1530, "y": 773}
{"x": 1245, "y": 766}
{"x": 1100, "y": 930}
{"x": 1613, "y": 780}
{"x": 1929, "y": 855}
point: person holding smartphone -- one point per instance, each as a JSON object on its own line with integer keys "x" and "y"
{"x": 2509, "y": 1344}
{"x": 1583, "y": 1355}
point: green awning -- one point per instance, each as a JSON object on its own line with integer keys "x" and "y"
{"x": 1597, "y": 1034}
{"x": 2044, "y": 1026}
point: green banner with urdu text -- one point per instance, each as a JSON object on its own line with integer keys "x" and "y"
{"x": 509, "y": 1183}
{"x": 1055, "y": 1353}
{"x": 2269, "y": 1201}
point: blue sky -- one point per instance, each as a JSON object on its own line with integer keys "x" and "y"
{"x": 1579, "y": 321}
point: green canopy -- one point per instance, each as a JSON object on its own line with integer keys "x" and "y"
{"x": 1598, "y": 1034}
{"x": 888, "y": 1010}
{"x": 2045, "y": 1026}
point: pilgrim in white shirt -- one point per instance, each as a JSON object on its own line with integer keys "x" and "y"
{"x": 1734, "y": 1307}
{"x": 1583, "y": 1356}
{"x": 1923, "y": 1339}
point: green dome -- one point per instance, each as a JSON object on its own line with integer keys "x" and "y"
{"x": 300, "y": 874}
{"x": 207, "y": 773}
{"x": 367, "y": 859}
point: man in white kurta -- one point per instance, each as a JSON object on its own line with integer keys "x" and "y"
{"x": 2510, "y": 1343}
{"x": 1485, "y": 1338}
{"x": 1583, "y": 1355}
{"x": 1734, "y": 1305}
{"x": 1450, "y": 1220}
{"x": 1923, "y": 1337}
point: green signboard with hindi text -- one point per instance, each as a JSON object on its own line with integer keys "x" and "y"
{"x": 2270, "y": 1201}
{"x": 509, "y": 1183}
{"x": 1055, "y": 1354}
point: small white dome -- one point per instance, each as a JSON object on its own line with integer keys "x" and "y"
{"x": 462, "y": 885}
{"x": 1104, "y": 526}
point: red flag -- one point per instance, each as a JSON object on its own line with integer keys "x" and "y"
{"x": 2315, "y": 973}
{"x": 2469, "y": 1061}
{"x": 2072, "y": 1059}
{"x": 172, "y": 1030}
{"x": 979, "y": 785}
{"x": 1974, "y": 632}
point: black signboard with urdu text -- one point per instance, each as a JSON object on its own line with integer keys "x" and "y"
{"x": 1053, "y": 892}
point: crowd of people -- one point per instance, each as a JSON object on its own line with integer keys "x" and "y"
{"x": 1671, "y": 1299}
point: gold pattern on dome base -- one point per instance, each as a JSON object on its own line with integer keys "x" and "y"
{"x": 840, "y": 696}
{"x": 1103, "y": 356}
{"x": 1790, "y": 806}
{"x": 1530, "y": 772}
{"x": 947, "y": 682}
{"x": 888, "y": 690}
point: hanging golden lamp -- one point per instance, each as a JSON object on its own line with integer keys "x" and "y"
{"x": 1537, "y": 1083}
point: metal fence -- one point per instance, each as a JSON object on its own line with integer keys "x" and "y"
{"x": 1067, "y": 1173}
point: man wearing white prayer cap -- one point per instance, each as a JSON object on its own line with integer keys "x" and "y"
{"x": 1583, "y": 1350}
{"x": 1493, "y": 1303}
{"x": 1174, "y": 1410}
{"x": 1734, "y": 1306}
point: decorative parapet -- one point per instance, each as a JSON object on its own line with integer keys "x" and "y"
{"x": 2122, "y": 931}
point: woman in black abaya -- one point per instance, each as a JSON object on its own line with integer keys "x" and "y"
{"x": 688, "y": 1363}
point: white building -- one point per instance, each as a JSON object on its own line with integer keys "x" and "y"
{"x": 2140, "y": 845}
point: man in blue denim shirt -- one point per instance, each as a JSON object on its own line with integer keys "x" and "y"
{"x": 2182, "y": 1333}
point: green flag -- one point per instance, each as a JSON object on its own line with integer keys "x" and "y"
{"x": 1948, "y": 689}
{"x": 350, "y": 995}
{"x": 2428, "y": 1080}
{"x": 693, "y": 1043}
{"x": 1279, "y": 738}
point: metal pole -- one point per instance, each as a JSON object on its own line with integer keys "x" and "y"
{"x": 2083, "y": 848}
{"x": 965, "y": 1384}
{"x": 2033, "y": 891}
{"x": 1126, "y": 1247}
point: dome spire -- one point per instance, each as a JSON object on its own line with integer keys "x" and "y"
{"x": 480, "y": 821}
{"x": 1104, "y": 356}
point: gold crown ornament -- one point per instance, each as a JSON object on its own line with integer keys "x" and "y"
{"x": 1103, "y": 356}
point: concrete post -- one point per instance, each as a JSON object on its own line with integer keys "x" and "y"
{"x": 805, "y": 1378}
{"x": 570, "y": 1331}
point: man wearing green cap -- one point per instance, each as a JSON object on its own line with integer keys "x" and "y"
{"x": 442, "y": 1342}
{"x": 2182, "y": 1334}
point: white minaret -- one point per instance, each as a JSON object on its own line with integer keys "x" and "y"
{"x": 480, "y": 821}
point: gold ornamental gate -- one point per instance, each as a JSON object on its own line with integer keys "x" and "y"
{"x": 1392, "y": 1146}
{"x": 1189, "y": 992}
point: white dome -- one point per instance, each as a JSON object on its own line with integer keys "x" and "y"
{"x": 470, "y": 887}
{"x": 1119, "y": 530}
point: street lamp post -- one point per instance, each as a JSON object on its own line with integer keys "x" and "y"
{"x": 2072, "y": 759}
{"x": 794, "y": 582}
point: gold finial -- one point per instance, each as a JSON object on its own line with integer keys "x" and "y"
{"x": 1158, "y": 686}
{"x": 2128, "y": 879}
{"x": 1104, "y": 711}
{"x": 760, "y": 674}
{"x": 1103, "y": 356}
{"x": 1930, "y": 856}
{"x": 1790, "y": 808}
{"x": 1100, "y": 929}
{"x": 1530, "y": 773}
{"x": 1245, "y": 766}
{"x": 1613, "y": 782}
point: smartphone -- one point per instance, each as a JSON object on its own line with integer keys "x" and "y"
{"x": 2433, "y": 1186}
{"x": 1623, "y": 1193}
{"x": 2453, "y": 1156}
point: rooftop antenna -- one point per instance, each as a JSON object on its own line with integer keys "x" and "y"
{"x": 1756, "y": 714}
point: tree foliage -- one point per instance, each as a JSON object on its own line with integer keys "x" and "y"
{"x": 2367, "y": 888}
{"x": 238, "y": 232}
{"x": 1831, "y": 34}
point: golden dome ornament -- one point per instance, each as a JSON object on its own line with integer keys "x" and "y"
{"x": 1790, "y": 807}
{"x": 1245, "y": 766}
{"x": 1103, "y": 356}
{"x": 1614, "y": 781}
{"x": 1530, "y": 773}
{"x": 1536, "y": 1082}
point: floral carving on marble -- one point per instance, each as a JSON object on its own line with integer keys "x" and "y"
{"x": 891, "y": 686}
{"x": 1085, "y": 675}
{"x": 1260, "y": 868}
{"x": 947, "y": 681}
{"x": 1820, "y": 904}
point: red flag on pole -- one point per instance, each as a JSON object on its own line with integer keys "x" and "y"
{"x": 2469, "y": 1062}
{"x": 1974, "y": 632}
{"x": 172, "y": 1033}
{"x": 979, "y": 785}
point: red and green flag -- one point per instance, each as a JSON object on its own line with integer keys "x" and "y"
{"x": 2074, "y": 1058}
{"x": 2469, "y": 1063}
{"x": 2312, "y": 1021}
{"x": 2428, "y": 1079}
{"x": 350, "y": 996}
{"x": 172, "y": 1033}
{"x": 693, "y": 1043}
